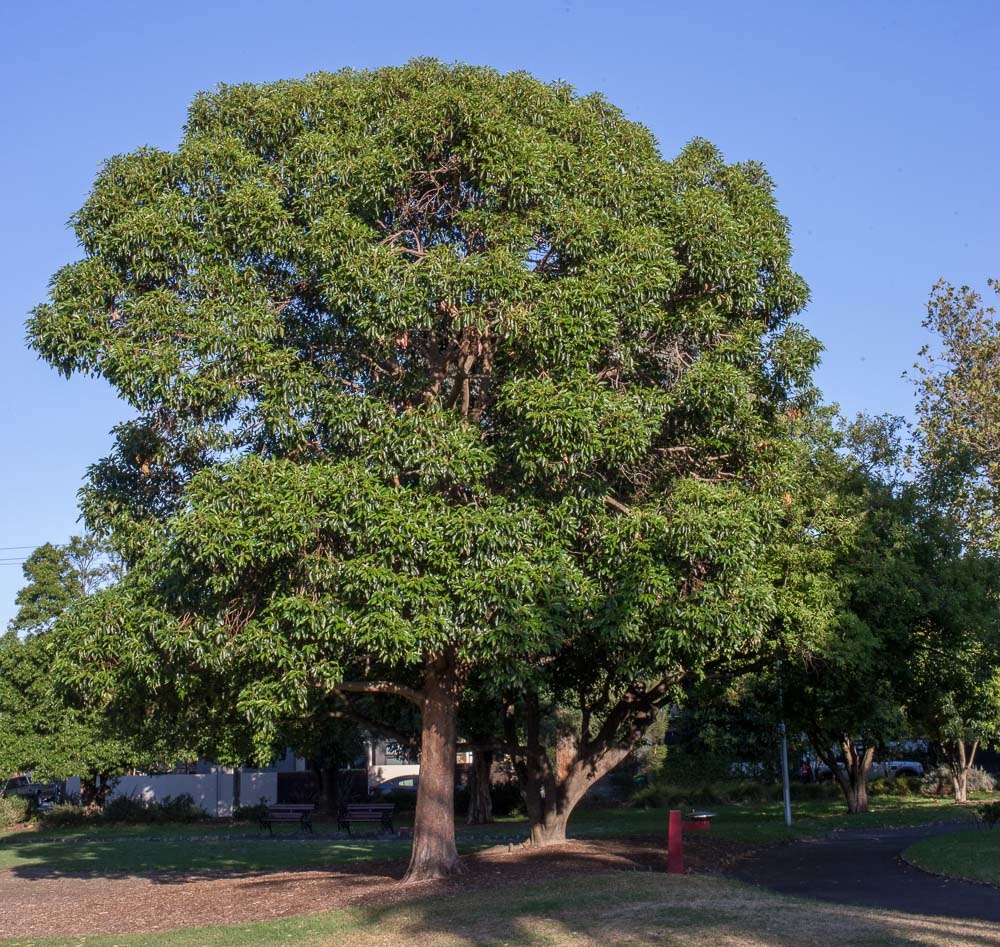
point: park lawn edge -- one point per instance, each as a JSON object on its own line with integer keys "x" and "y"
{"x": 945, "y": 856}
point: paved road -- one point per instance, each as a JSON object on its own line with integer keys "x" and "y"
{"x": 859, "y": 866}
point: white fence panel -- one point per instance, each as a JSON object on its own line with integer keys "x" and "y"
{"x": 209, "y": 790}
{"x": 255, "y": 786}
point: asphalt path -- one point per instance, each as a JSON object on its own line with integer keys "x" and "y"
{"x": 864, "y": 867}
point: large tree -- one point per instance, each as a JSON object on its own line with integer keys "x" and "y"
{"x": 435, "y": 369}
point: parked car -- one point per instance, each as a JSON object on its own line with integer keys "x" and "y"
{"x": 40, "y": 795}
{"x": 885, "y": 768}
{"x": 893, "y": 768}
{"x": 397, "y": 786}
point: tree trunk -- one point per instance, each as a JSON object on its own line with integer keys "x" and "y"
{"x": 960, "y": 760}
{"x": 551, "y": 796}
{"x": 852, "y": 777}
{"x": 328, "y": 789}
{"x": 480, "y": 800}
{"x": 95, "y": 789}
{"x": 434, "y": 854}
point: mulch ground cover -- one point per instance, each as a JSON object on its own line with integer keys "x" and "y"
{"x": 35, "y": 903}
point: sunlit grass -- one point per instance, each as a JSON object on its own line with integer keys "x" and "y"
{"x": 974, "y": 855}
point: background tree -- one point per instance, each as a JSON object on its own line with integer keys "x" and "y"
{"x": 958, "y": 467}
{"x": 958, "y": 410}
{"x": 427, "y": 362}
{"x": 42, "y": 730}
{"x": 852, "y": 538}
{"x": 56, "y": 730}
{"x": 55, "y": 576}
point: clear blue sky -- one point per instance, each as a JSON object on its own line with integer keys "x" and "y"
{"x": 878, "y": 121}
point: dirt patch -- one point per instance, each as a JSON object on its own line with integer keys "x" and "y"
{"x": 33, "y": 904}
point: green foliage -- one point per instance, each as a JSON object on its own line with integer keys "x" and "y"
{"x": 127, "y": 810}
{"x": 959, "y": 410}
{"x": 693, "y": 767}
{"x": 42, "y": 728}
{"x": 67, "y": 815}
{"x": 662, "y": 794}
{"x": 904, "y": 786}
{"x": 989, "y": 814}
{"x": 53, "y": 582}
{"x": 250, "y": 812}
{"x": 14, "y": 810}
{"x": 57, "y": 576}
{"x": 132, "y": 809}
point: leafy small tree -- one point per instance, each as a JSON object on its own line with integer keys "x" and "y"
{"x": 958, "y": 464}
{"x": 44, "y": 726}
{"x": 958, "y": 410}
{"x": 842, "y": 687}
{"x": 42, "y": 732}
{"x": 56, "y": 576}
{"x": 955, "y": 696}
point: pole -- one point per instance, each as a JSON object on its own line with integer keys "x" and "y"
{"x": 675, "y": 843}
{"x": 785, "y": 788}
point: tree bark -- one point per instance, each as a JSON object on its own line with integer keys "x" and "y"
{"x": 550, "y": 794}
{"x": 95, "y": 789}
{"x": 327, "y": 801}
{"x": 480, "y": 800}
{"x": 434, "y": 854}
{"x": 852, "y": 777}
{"x": 960, "y": 760}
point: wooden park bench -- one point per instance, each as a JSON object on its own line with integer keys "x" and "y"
{"x": 380, "y": 812}
{"x": 288, "y": 812}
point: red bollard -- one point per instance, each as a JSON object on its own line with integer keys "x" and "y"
{"x": 675, "y": 843}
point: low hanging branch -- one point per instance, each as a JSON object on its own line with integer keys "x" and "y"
{"x": 381, "y": 687}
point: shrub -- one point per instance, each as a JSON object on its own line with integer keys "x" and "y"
{"x": 989, "y": 814}
{"x": 507, "y": 798}
{"x": 69, "y": 815}
{"x": 808, "y": 792}
{"x": 250, "y": 813}
{"x": 937, "y": 782}
{"x": 127, "y": 809}
{"x": 177, "y": 809}
{"x": 13, "y": 810}
{"x": 137, "y": 810}
{"x": 670, "y": 795}
{"x": 901, "y": 786}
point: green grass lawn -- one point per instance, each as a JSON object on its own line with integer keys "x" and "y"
{"x": 617, "y": 908}
{"x": 761, "y": 823}
{"x": 211, "y": 847}
{"x": 974, "y": 855}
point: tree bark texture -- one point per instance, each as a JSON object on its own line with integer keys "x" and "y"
{"x": 551, "y": 793}
{"x": 960, "y": 757}
{"x": 480, "y": 800}
{"x": 434, "y": 854}
{"x": 852, "y": 777}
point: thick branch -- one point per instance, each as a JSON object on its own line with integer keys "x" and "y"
{"x": 381, "y": 687}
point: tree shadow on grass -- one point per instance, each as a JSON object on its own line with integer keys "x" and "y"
{"x": 655, "y": 909}
{"x": 176, "y": 860}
